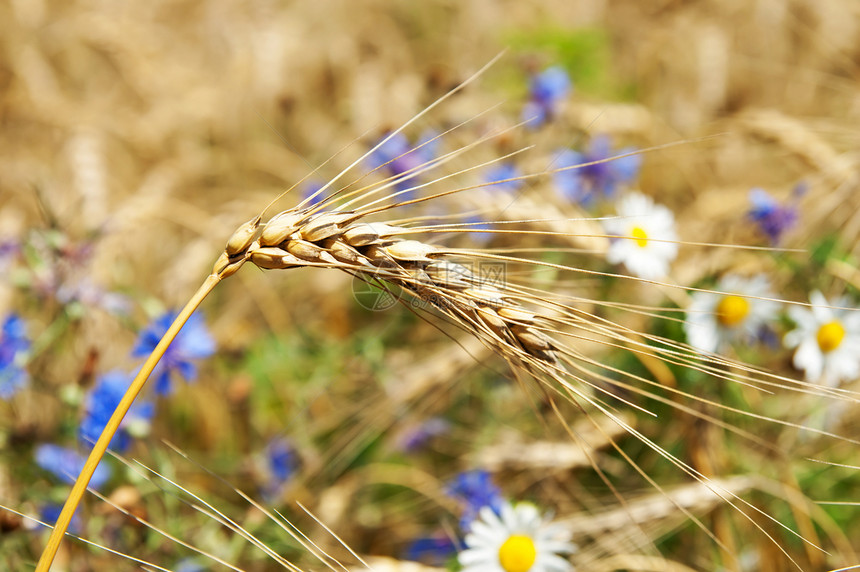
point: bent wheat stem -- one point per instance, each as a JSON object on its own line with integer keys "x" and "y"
{"x": 112, "y": 426}
{"x": 543, "y": 333}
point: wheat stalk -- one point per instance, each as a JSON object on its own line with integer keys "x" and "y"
{"x": 534, "y": 331}
{"x": 239, "y": 249}
{"x": 540, "y": 334}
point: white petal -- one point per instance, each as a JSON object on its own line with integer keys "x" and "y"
{"x": 488, "y": 515}
{"x": 619, "y": 251}
{"x": 851, "y": 321}
{"x": 527, "y": 517}
{"x": 842, "y": 364}
{"x": 555, "y": 562}
{"x": 703, "y": 336}
{"x": 820, "y": 307}
{"x": 797, "y": 336}
{"x": 468, "y": 557}
{"x": 481, "y": 532}
{"x": 508, "y": 515}
{"x": 808, "y": 358}
{"x": 804, "y": 318}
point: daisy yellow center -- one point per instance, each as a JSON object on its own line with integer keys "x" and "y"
{"x": 829, "y": 336}
{"x": 641, "y": 237}
{"x": 517, "y": 554}
{"x": 731, "y": 310}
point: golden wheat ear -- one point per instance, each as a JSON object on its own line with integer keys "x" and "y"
{"x": 541, "y": 334}
{"x": 297, "y": 237}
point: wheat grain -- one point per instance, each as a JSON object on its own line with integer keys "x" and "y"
{"x": 334, "y": 239}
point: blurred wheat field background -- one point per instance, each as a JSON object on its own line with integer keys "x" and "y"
{"x": 136, "y": 138}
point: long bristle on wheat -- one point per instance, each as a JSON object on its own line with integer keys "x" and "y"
{"x": 535, "y": 331}
{"x": 341, "y": 240}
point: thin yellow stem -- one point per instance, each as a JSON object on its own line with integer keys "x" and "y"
{"x": 110, "y": 429}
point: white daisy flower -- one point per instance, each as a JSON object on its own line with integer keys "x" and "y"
{"x": 827, "y": 340}
{"x": 520, "y": 540}
{"x": 645, "y": 227}
{"x": 736, "y": 313}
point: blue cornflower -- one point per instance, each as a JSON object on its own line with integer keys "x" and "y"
{"x": 475, "y": 490}
{"x": 431, "y": 550}
{"x": 546, "y": 92}
{"x": 582, "y": 185}
{"x": 51, "y": 512}
{"x": 281, "y": 459}
{"x": 772, "y": 217}
{"x": 402, "y": 160}
{"x": 193, "y": 342}
{"x": 100, "y": 405}
{"x": 309, "y": 189}
{"x": 14, "y": 346}
{"x": 497, "y": 178}
{"x": 280, "y": 464}
{"x": 66, "y": 464}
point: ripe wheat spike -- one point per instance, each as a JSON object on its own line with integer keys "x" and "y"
{"x": 543, "y": 334}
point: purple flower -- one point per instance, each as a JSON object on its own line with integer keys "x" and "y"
{"x": 281, "y": 459}
{"x": 583, "y": 184}
{"x": 474, "y": 490}
{"x": 51, "y": 512}
{"x": 280, "y": 463}
{"x": 192, "y": 343}
{"x": 431, "y": 550}
{"x": 402, "y": 160}
{"x": 61, "y": 268}
{"x": 772, "y": 217}
{"x": 309, "y": 192}
{"x": 100, "y": 405}
{"x": 66, "y": 464}
{"x": 417, "y": 437}
{"x": 547, "y": 90}
{"x": 14, "y": 346}
{"x": 497, "y": 178}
